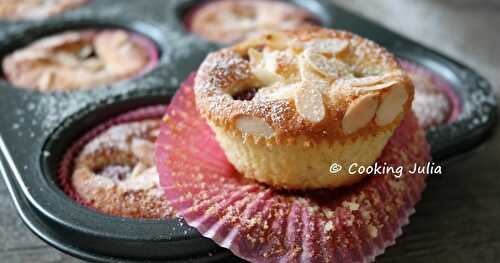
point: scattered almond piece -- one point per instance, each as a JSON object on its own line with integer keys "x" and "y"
{"x": 254, "y": 126}
{"x": 309, "y": 103}
{"x": 307, "y": 73}
{"x": 360, "y": 113}
{"x": 277, "y": 40}
{"x": 138, "y": 170}
{"x": 277, "y": 93}
{"x": 46, "y": 80}
{"x": 329, "y": 46}
{"x": 391, "y": 105}
{"x": 143, "y": 150}
{"x": 329, "y": 67}
{"x": 264, "y": 66}
{"x": 377, "y": 87}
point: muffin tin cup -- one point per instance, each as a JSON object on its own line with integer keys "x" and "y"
{"x": 38, "y": 128}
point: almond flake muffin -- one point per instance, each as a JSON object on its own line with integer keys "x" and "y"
{"x": 115, "y": 172}
{"x": 227, "y": 21}
{"x": 285, "y": 106}
{"x": 435, "y": 101}
{"x": 80, "y": 60}
{"x": 35, "y": 9}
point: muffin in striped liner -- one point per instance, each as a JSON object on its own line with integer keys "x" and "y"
{"x": 111, "y": 169}
{"x": 262, "y": 224}
{"x": 228, "y": 21}
{"x": 15, "y": 10}
{"x": 80, "y": 60}
{"x": 435, "y": 103}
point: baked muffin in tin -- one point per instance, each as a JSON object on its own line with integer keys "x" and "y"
{"x": 80, "y": 60}
{"x": 35, "y": 9}
{"x": 320, "y": 96}
{"x": 435, "y": 101}
{"x": 227, "y": 21}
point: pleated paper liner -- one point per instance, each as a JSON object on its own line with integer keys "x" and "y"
{"x": 442, "y": 85}
{"x": 151, "y": 48}
{"x": 260, "y": 224}
{"x": 67, "y": 164}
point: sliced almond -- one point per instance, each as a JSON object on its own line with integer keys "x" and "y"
{"x": 146, "y": 180}
{"x": 265, "y": 76}
{"x": 391, "y": 105}
{"x": 329, "y": 46}
{"x": 93, "y": 64}
{"x": 57, "y": 41}
{"x": 30, "y": 54}
{"x": 369, "y": 80}
{"x": 119, "y": 38}
{"x": 138, "y": 170}
{"x": 255, "y": 57}
{"x": 254, "y": 126}
{"x": 277, "y": 40}
{"x": 309, "y": 103}
{"x": 329, "y": 67}
{"x": 307, "y": 73}
{"x": 359, "y": 113}
{"x": 276, "y": 93}
{"x": 378, "y": 87}
{"x": 143, "y": 150}
{"x": 85, "y": 52}
{"x": 367, "y": 84}
{"x": 364, "y": 81}
{"x": 67, "y": 59}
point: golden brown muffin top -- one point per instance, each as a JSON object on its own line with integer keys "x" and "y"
{"x": 317, "y": 82}
{"x": 33, "y": 9}
{"x": 76, "y": 60}
{"x": 116, "y": 173}
{"x": 227, "y": 21}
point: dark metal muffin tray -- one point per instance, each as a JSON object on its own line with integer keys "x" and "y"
{"x": 37, "y": 128}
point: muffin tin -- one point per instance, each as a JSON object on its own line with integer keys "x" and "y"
{"x": 37, "y": 128}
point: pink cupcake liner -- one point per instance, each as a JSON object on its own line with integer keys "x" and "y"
{"x": 150, "y": 47}
{"x": 260, "y": 224}
{"x": 67, "y": 164}
{"x": 443, "y": 85}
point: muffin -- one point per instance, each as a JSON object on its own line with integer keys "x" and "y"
{"x": 435, "y": 102}
{"x": 227, "y": 21}
{"x": 79, "y": 60}
{"x": 260, "y": 223}
{"x": 286, "y": 106}
{"x": 35, "y": 9}
{"x": 114, "y": 172}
